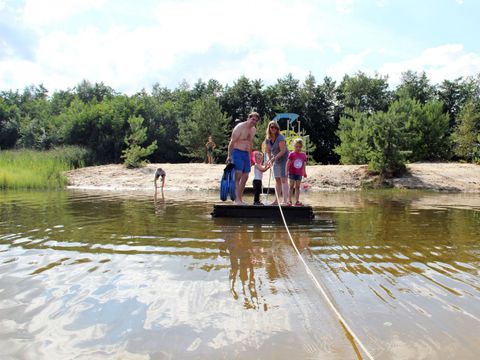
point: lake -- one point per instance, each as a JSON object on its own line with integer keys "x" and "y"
{"x": 99, "y": 275}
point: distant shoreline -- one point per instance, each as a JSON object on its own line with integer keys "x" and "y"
{"x": 444, "y": 177}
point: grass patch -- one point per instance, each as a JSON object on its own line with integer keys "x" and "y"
{"x": 29, "y": 169}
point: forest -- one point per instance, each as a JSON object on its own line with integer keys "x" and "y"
{"x": 359, "y": 120}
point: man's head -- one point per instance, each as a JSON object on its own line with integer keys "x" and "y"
{"x": 254, "y": 117}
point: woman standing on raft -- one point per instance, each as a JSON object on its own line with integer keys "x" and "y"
{"x": 278, "y": 154}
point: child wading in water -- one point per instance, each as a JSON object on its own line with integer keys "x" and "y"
{"x": 296, "y": 169}
{"x": 259, "y": 169}
{"x": 159, "y": 173}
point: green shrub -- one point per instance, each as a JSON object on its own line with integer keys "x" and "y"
{"x": 467, "y": 133}
{"x": 386, "y": 155}
{"x": 30, "y": 169}
{"x": 134, "y": 156}
{"x": 355, "y": 141}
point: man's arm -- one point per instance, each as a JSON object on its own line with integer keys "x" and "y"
{"x": 252, "y": 134}
{"x": 231, "y": 144}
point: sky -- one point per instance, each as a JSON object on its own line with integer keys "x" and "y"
{"x": 131, "y": 45}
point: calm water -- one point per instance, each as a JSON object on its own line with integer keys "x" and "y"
{"x": 101, "y": 276}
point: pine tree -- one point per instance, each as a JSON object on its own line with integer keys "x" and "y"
{"x": 467, "y": 133}
{"x": 134, "y": 154}
{"x": 353, "y": 132}
{"x": 206, "y": 119}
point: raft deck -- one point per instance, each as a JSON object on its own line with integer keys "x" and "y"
{"x": 262, "y": 211}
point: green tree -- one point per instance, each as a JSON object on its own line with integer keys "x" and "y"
{"x": 435, "y": 141}
{"x": 320, "y": 117}
{"x": 364, "y": 93}
{"x": 456, "y": 93}
{"x": 9, "y": 125}
{"x": 415, "y": 86}
{"x": 86, "y": 91}
{"x": 386, "y": 155}
{"x": 206, "y": 119}
{"x": 286, "y": 95}
{"x": 259, "y": 138}
{"x": 242, "y": 97}
{"x": 467, "y": 133}
{"x": 101, "y": 127}
{"x": 355, "y": 141}
{"x": 425, "y": 128}
{"x": 134, "y": 155}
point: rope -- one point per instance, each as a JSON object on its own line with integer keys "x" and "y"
{"x": 343, "y": 322}
{"x": 268, "y": 188}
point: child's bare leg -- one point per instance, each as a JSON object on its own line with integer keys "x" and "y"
{"x": 297, "y": 190}
{"x": 292, "y": 186}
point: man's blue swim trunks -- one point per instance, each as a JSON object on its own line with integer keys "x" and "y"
{"x": 241, "y": 160}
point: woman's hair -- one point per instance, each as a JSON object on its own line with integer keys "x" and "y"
{"x": 298, "y": 141}
{"x": 268, "y": 135}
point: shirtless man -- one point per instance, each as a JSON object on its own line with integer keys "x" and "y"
{"x": 239, "y": 151}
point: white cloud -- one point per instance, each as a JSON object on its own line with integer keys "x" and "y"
{"x": 129, "y": 58}
{"x": 382, "y": 3}
{"x": 171, "y": 40}
{"x": 269, "y": 65}
{"x": 344, "y": 6}
{"x": 236, "y": 24}
{"x": 45, "y": 12}
{"x": 459, "y": 2}
{"x": 443, "y": 62}
{"x": 448, "y": 61}
{"x": 349, "y": 64}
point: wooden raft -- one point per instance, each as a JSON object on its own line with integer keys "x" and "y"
{"x": 262, "y": 211}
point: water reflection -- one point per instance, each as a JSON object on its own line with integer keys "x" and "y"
{"x": 108, "y": 275}
{"x": 159, "y": 202}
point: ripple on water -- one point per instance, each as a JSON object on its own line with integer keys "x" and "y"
{"x": 104, "y": 275}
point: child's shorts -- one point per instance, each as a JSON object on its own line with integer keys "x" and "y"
{"x": 295, "y": 177}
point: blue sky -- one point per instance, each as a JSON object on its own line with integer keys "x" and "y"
{"x": 131, "y": 45}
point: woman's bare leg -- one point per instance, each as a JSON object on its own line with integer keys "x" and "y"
{"x": 285, "y": 191}
{"x": 278, "y": 190}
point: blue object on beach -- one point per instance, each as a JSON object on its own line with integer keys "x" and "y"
{"x": 290, "y": 116}
{"x": 227, "y": 184}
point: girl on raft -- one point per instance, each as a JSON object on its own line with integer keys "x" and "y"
{"x": 296, "y": 170}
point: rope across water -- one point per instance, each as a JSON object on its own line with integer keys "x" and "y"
{"x": 343, "y": 322}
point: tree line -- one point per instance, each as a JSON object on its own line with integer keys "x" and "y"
{"x": 360, "y": 119}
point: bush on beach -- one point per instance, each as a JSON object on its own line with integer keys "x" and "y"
{"x": 30, "y": 169}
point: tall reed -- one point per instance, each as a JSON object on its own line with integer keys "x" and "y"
{"x": 29, "y": 169}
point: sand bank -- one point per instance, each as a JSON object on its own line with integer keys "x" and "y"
{"x": 449, "y": 177}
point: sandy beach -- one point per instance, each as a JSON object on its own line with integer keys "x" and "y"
{"x": 445, "y": 177}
